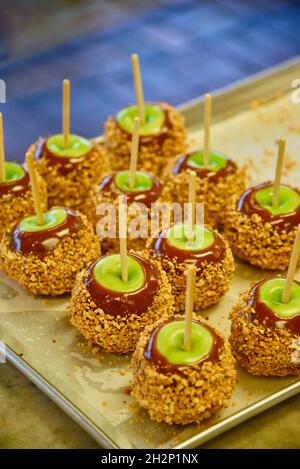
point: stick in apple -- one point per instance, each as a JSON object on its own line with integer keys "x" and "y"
{"x": 2, "y": 154}
{"x": 123, "y": 237}
{"x": 207, "y": 122}
{"x": 191, "y": 206}
{"x": 66, "y": 112}
{"x": 189, "y": 306}
{"x": 279, "y": 165}
{"x": 35, "y": 188}
{"x": 292, "y": 268}
{"x": 138, "y": 86}
{"x": 134, "y": 152}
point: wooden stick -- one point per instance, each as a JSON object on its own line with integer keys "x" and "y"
{"x": 35, "y": 188}
{"x": 66, "y": 112}
{"x": 191, "y": 206}
{"x": 138, "y": 86}
{"x": 292, "y": 268}
{"x": 207, "y": 122}
{"x": 279, "y": 165}
{"x": 134, "y": 151}
{"x": 189, "y": 306}
{"x": 123, "y": 237}
{"x": 2, "y": 154}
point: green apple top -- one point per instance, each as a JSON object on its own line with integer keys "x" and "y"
{"x": 152, "y": 125}
{"x": 16, "y": 180}
{"x": 107, "y": 273}
{"x": 268, "y": 308}
{"x": 53, "y": 218}
{"x": 39, "y": 239}
{"x": 289, "y": 200}
{"x": 78, "y": 146}
{"x": 259, "y": 200}
{"x": 169, "y": 343}
{"x": 13, "y": 172}
{"x": 165, "y": 346}
{"x": 217, "y": 161}
{"x": 270, "y": 294}
{"x": 219, "y": 165}
{"x": 146, "y": 188}
{"x": 117, "y": 297}
{"x": 143, "y": 181}
{"x": 177, "y": 237}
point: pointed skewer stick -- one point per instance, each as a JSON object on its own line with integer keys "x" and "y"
{"x": 134, "y": 151}
{"x": 138, "y": 86}
{"x": 292, "y": 268}
{"x": 66, "y": 112}
{"x": 2, "y": 154}
{"x": 35, "y": 188}
{"x": 191, "y": 206}
{"x": 123, "y": 237}
{"x": 189, "y": 306}
{"x": 207, "y": 122}
{"x": 279, "y": 165}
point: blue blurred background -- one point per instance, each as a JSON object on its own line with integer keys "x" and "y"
{"x": 186, "y": 47}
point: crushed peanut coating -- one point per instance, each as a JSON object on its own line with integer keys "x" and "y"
{"x": 153, "y": 154}
{"x": 262, "y": 350}
{"x": 70, "y": 189}
{"x": 14, "y": 208}
{"x": 116, "y": 334}
{"x": 214, "y": 194}
{"x": 54, "y": 273}
{"x": 213, "y": 279}
{"x": 182, "y": 398}
{"x": 256, "y": 241}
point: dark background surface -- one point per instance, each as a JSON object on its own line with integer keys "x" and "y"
{"x": 186, "y": 47}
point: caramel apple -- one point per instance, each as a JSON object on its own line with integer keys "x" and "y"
{"x": 46, "y": 257}
{"x": 70, "y": 173}
{"x": 208, "y": 251}
{"x": 178, "y": 386}
{"x": 162, "y": 136}
{"x": 216, "y": 182}
{"x": 260, "y": 233}
{"x": 146, "y": 190}
{"x": 111, "y": 312}
{"x": 265, "y": 331}
{"x": 162, "y": 132}
{"x": 16, "y": 199}
{"x": 69, "y": 163}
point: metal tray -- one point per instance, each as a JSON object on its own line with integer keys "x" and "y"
{"x": 93, "y": 389}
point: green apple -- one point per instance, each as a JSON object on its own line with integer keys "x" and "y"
{"x": 107, "y": 273}
{"x": 78, "y": 146}
{"x": 177, "y": 237}
{"x": 52, "y": 218}
{"x": 13, "y": 172}
{"x": 170, "y": 338}
{"x": 270, "y": 294}
{"x": 289, "y": 200}
{"x": 153, "y": 123}
{"x": 217, "y": 161}
{"x": 143, "y": 182}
